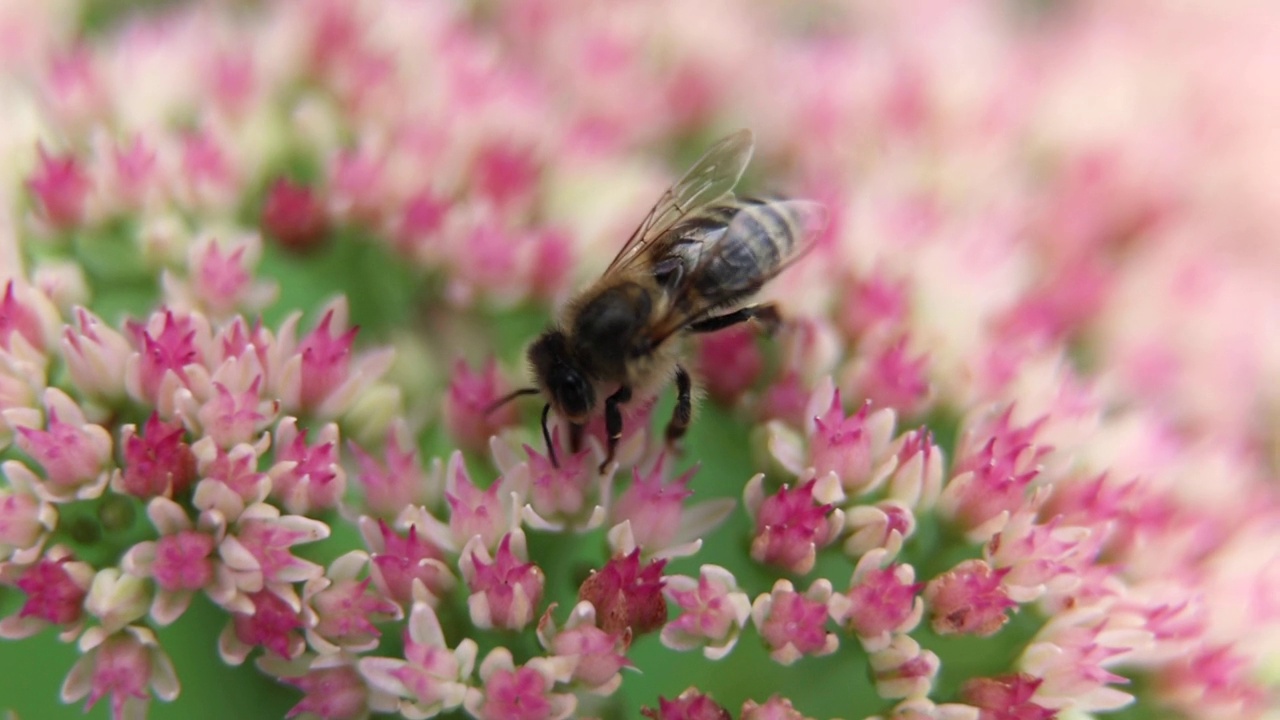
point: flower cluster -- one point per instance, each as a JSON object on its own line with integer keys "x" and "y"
{"x": 1011, "y": 451}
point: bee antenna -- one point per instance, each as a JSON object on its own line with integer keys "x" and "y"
{"x": 546, "y": 436}
{"x": 509, "y": 397}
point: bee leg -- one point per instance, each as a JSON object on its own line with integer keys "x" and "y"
{"x": 683, "y": 412}
{"x": 575, "y": 437}
{"x": 613, "y": 422}
{"x": 766, "y": 314}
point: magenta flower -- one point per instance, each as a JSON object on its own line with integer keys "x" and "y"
{"x": 128, "y": 667}
{"x": 775, "y": 708}
{"x": 72, "y": 452}
{"x": 903, "y": 669}
{"x": 467, "y": 405}
{"x": 56, "y": 587}
{"x": 789, "y": 526}
{"x": 26, "y": 521}
{"x": 689, "y": 705}
{"x": 331, "y": 693}
{"x": 274, "y": 623}
{"x": 396, "y": 482}
{"x": 598, "y": 656}
{"x": 408, "y": 568}
{"x": 431, "y": 678}
{"x": 968, "y": 599}
{"x": 881, "y": 601}
{"x": 505, "y": 589}
{"x": 62, "y": 187}
{"x": 306, "y": 478}
{"x": 509, "y": 692}
{"x": 340, "y": 612}
{"x": 650, "y": 514}
{"x": 156, "y": 460}
{"x": 713, "y": 612}
{"x": 294, "y": 215}
{"x": 627, "y": 596}
{"x": 792, "y": 624}
{"x": 182, "y": 561}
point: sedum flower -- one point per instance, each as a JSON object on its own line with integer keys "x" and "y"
{"x": 882, "y": 601}
{"x": 689, "y": 705}
{"x": 127, "y": 666}
{"x": 56, "y": 586}
{"x": 627, "y": 595}
{"x": 713, "y": 612}
{"x": 793, "y": 625}
{"x": 650, "y": 514}
{"x": 968, "y": 599}
{"x": 508, "y": 692}
{"x": 789, "y": 527}
{"x": 505, "y": 589}
{"x": 599, "y": 657}
{"x": 431, "y": 678}
{"x": 340, "y": 612}
{"x": 156, "y": 460}
{"x": 182, "y": 561}
{"x": 72, "y": 452}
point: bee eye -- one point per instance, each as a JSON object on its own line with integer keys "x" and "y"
{"x": 573, "y": 394}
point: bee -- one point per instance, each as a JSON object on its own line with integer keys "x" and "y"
{"x": 689, "y": 268}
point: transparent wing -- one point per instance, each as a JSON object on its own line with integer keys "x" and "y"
{"x": 761, "y": 241}
{"x": 711, "y": 178}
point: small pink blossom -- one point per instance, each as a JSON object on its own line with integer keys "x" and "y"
{"x": 61, "y": 186}
{"x": 167, "y": 345}
{"x": 883, "y": 525}
{"x": 794, "y": 625}
{"x": 488, "y": 514}
{"x": 508, "y": 692}
{"x": 236, "y": 468}
{"x": 331, "y": 693}
{"x": 306, "y": 478}
{"x": 505, "y": 590}
{"x": 1040, "y": 558}
{"x": 401, "y": 563}
{"x": 904, "y": 669}
{"x": 1073, "y": 653}
{"x": 557, "y": 497}
{"x": 713, "y": 612}
{"x": 916, "y": 481}
{"x": 24, "y": 318}
{"x": 233, "y": 416}
{"x": 156, "y": 460}
{"x": 689, "y": 705}
{"x": 968, "y": 599}
{"x": 627, "y": 596}
{"x": 598, "y": 656}
{"x": 319, "y": 374}
{"x": 881, "y": 601}
{"x": 56, "y": 586}
{"x": 467, "y": 404}
{"x": 220, "y": 279}
{"x": 294, "y": 215}
{"x": 96, "y": 355}
{"x": 1217, "y": 681}
{"x": 208, "y": 173}
{"x": 991, "y": 481}
{"x": 357, "y": 186}
{"x": 775, "y": 708}
{"x": 26, "y": 521}
{"x": 398, "y": 481}
{"x": 505, "y": 174}
{"x": 652, "y": 510}
{"x": 1007, "y": 697}
{"x": 791, "y": 525}
{"x": 72, "y": 452}
{"x": 873, "y": 304}
{"x": 431, "y": 678}
{"x": 730, "y": 363}
{"x": 853, "y": 447}
{"x": 134, "y": 174}
{"x": 889, "y": 377}
{"x": 422, "y": 220}
{"x": 340, "y": 611}
{"x": 274, "y": 624}
{"x": 126, "y": 666}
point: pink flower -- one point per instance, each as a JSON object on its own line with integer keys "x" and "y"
{"x": 790, "y": 526}
{"x": 220, "y": 280}
{"x": 431, "y": 678}
{"x": 558, "y": 497}
{"x": 903, "y": 669}
{"x": 598, "y": 656}
{"x": 889, "y": 378}
{"x": 627, "y": 596}
{"x": 729, "y": 363}
{"x": 521, "y": 693}
{"x": 26, "y": 521}
{"x": 208, "y": 174}
{"x": 655, "y": 519}
{"x": 72, "y": 452}
{"x": 397, "y": 482}
{"x": 505, "y": 174}
{"x": 340, "y": 612}
{"x": 274, "y": 624}
{"x": 689, "y": 705}
{"x": 182, "y": 561}
{"x": 25, "y": 319}
{"x": 167, "y": 347}
{"x": 872, "y": 304}
{"x": 505, "y": 590}
{"x": 357, "y": 186}
{"x": 968, "y": 599}
{"x": 881, "y": 601}
{"x": 488, "y": 514}
{"x": 1007, "y": 697}
{"x": 62, "y": 186}
{"x": 294, "y": 215}
{"x": 403, "y": 563}
{"x": 990, "y": 482}
{"x": 56, "y": 586}
{"x": 331, "y": 693}
{"x": 96, "y": 356}
{"x": 156, "y": 462}
{"x": 134, "y": 177}
{"x": 467, "y": 403}
{"x": 231, "y": 416}
{"x": 306, "y": 479}
{"x": 319, "y": 374}
{"x": 883, "y": 525}
{"x": 775, "y": 708}
{"x": 713, "y": 612}
{"x": 125, "y": 666}
{"x": 794, "y": 625}
{"x": 257, "y": 548}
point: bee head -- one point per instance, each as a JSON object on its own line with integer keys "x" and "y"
{"x": 560, "y": 377}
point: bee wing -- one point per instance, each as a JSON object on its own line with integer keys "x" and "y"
{"x": 711, "y": 178}
{"x": 761, "y": 241}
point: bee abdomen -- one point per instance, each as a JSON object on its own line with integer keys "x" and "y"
{"x": 761, "y": 234}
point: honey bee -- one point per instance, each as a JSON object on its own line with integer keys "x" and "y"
{"x": 697, "y": 258}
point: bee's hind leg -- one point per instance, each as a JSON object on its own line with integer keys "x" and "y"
{"x": 613, "y": 422}
{"x": 683, "y": 412}
{"x": 766, "y": 314}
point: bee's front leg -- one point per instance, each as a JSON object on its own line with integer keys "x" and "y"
{"x": 613, "y": 422}
{"x": 683, "y": 412}
{"x": 765, "y": 314}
